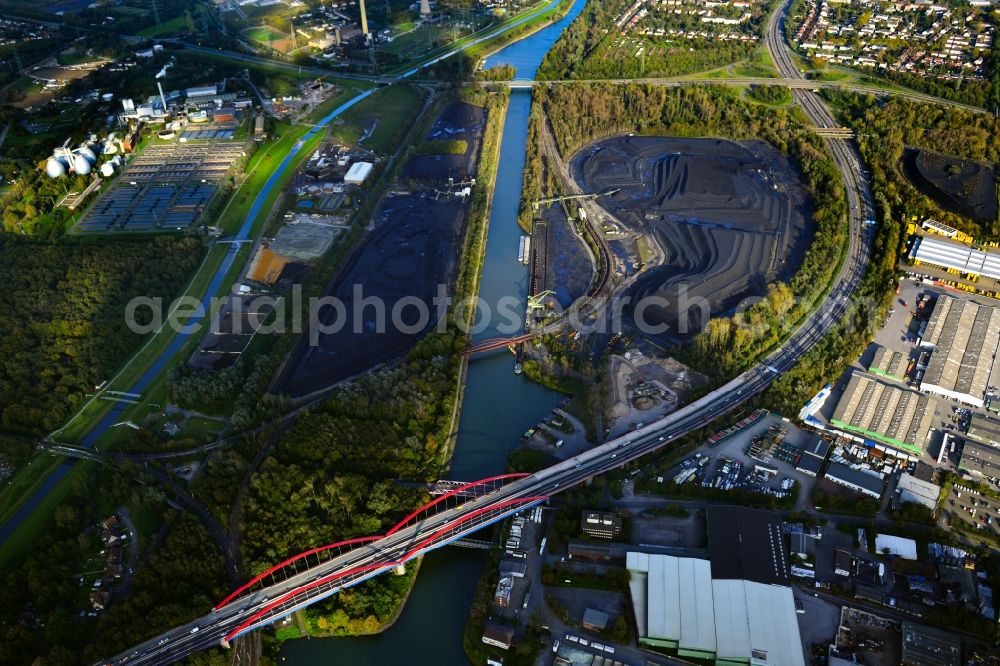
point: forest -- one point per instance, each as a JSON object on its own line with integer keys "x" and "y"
{"x": 62, "y": 317}
{"x": 580, "y": 114}
{"x": 896, "y": 124}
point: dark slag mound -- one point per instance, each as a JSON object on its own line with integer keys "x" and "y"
{"x": 960, "y": 186}
{"x": 414, "y": 249}
{"x": 730, "y": 217}
{"x": 458, "y": 121}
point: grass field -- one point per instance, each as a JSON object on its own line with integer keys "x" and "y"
{"x": 20, "y": 541}
{"x": 348, "y": 89}
{"x": 175, "y": 24}
{"x": 389, "y": 108}
{"x": 264, "y": 34}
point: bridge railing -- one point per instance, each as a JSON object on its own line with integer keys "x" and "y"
{"x": 324, "y": 586}
{"x": 315, "y": 556}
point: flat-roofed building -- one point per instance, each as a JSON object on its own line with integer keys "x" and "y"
{"x": 857, "y": 480}
{"x": 896, "y": 545}
{"x": 889, "y": 363}
{"x": 600, "y": 524}
{"x": 812, "y": 457}
{"x": 896, "y": 417}
{"x": 949, "y": 254}
{"x": 746, "y": 544}
{"x": 918, "y": 491}
{"x": 590, "y": 550}
{"x": 980, "y": 459}
{"x": 964, "y": 336}
{"x": 984, "y": 430}
{"x": 595, "y": 620}
{"x": 680, "y": 606}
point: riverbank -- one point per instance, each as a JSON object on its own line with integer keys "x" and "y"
{"x": 545, "y": 20}
{"x": 487, "y": 176}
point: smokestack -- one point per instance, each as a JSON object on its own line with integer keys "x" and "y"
{"x": 425, "y": 7}
{"x": 364, "y": 20}
{"x": 163, "y": 99}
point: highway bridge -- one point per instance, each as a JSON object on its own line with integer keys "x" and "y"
{"x": 320, "y": 572}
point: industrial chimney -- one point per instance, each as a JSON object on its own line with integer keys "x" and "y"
{"x": 425, "y": 7}
{"x": 364, "y": 21}
{"x": 163, "y": 99}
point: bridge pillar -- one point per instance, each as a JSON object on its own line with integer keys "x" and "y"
{"x": 399, "y": 569}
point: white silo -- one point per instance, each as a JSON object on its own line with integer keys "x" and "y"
{"x": 81, "y": 165}
{"x": 88, "y": 153}
{"x": 55, "y": 168}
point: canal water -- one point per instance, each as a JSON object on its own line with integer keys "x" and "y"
{"x": 498, "y": 407}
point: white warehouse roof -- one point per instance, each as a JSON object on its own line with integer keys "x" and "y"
{"x": 679, "y": 604}
{"x": 904, "y": 548}
{"x": 949, "y": 254}
{"x": 358, "y": 172}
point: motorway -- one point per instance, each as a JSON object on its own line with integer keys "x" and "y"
{"x": 375, "y": 557}
{"x": 260, "y": 607}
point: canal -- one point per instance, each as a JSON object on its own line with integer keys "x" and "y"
{"x": 498, "y": 407}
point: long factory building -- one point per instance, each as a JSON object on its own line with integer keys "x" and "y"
{"x": 956, "y": 256}
{"x": 964, "y": 336}
{"x": 733, "y": 609}
{"x": 894, "y": 416}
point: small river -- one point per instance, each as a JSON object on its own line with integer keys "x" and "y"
{"x": 498, "y": 407}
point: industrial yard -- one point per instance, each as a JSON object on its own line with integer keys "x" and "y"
{"x": 719, "y": 219}
{"x": 411, "y": 250}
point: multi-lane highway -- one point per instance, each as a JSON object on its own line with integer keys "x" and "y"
{"x": 260, "y": 606}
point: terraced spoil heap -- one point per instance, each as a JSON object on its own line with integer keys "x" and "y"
{"x": 728, "y": 218}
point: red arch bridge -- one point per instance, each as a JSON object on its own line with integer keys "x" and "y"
{"x": 317, "y": 573}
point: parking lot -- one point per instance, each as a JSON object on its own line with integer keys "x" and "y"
{"x": 730, "y": 465}
{"x": 974, "y": 509}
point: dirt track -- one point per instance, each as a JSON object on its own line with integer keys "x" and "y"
{"x": 728, "y": 217}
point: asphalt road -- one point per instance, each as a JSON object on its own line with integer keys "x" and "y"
{"x": 794, "y": 82}
{"x": 372, "y": 558}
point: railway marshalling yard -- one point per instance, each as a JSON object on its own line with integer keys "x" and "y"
{"x": 702, "y": 218}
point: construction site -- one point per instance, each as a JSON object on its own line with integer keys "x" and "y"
{"x": 706, "y": 220}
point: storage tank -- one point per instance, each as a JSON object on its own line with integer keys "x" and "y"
{"x": 88, "y": 153}
{"x": 81, "y": 165}
{"x": 55, "y": 168}
{"x": 107, "y": 169}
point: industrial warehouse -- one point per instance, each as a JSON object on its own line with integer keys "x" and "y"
{"x": 964, "y": 336}
{"x": 735, "y": 608}
{"x": 955, "y": 257}
{"x": 894, "y": 416}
